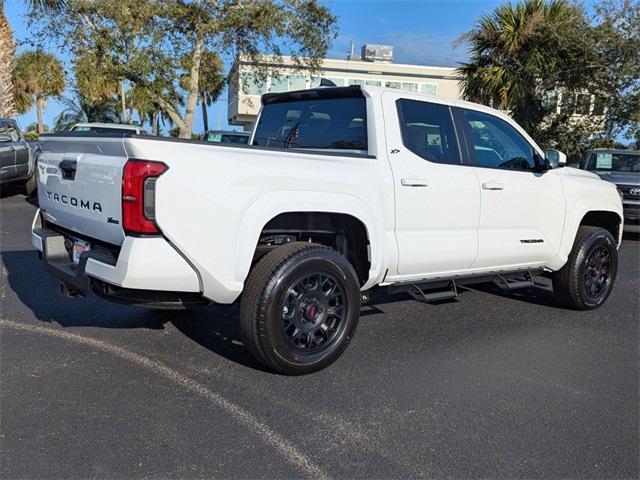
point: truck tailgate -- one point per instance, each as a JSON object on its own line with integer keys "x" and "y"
{"x": 80, "y": 184}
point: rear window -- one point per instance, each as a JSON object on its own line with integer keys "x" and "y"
{"x": 319, "y": 123}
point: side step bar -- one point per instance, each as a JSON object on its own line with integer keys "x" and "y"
{"x": 427, "y": 293}
{"x": 439, "y": 289}
{"x": 513, "y": 281}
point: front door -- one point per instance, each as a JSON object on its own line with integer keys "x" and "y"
{"x": 522, "y": 206}
{"x": 21, "y": 149}
{"x": 7, "y": 157}
{"x": 437, "y": 199}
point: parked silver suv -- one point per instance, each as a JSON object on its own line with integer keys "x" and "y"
{"x": 16, "y": 156}
{"x": 621, "y": 167}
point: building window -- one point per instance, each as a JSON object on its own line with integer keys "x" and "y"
{"x": 374, "y": 83}
{"x": 297, "y": 82}
{"x": 550, "y": 101}
{"x": 279, "y": 83}
{"x": 599, "y": 105}
{"x": 583, "y": 104}
{"x": 355, "y": 81}
{"x": 409, "y": 87}
{"x": 568, "y": 104}
{"x": 396, "y": 85}
{"x": 251, "y": 85}
{"x": 429, "y": 88}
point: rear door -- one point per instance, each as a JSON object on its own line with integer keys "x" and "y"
{"x": 523, "y": 207}
{"x": 80, "y": 184}
{"x": 437, "y": 197}
{"x": 7, "y": 157}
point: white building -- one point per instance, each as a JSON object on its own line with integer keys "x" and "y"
{"x": 245, "y": 89}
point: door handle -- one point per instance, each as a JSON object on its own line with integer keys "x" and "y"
{"x": 493, "y": 185}
{"x": 414, "y": 182}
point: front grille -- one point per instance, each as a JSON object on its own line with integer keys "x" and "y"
{"x": 626, "y": 191}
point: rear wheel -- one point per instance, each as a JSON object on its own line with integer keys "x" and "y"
{"x": 300, "y": 308}
{"x": 586, "y": 280}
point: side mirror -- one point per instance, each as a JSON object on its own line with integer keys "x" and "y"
{"x": 555, "y": 158}
{"x": 5, "y": 138}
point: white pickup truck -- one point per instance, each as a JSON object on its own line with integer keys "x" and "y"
{"x": 339, "y": 190}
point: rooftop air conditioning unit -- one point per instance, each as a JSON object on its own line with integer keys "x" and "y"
{"x": 377, "y": 53}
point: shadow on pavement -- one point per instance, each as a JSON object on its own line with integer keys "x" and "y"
{"x": 214, "y": 327}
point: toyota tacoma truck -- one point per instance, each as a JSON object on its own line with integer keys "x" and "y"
{"x": 338, "y": 191}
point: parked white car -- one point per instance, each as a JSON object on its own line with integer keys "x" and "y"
{"x": 341, "y": 190}
{"x": 108, "y": 127}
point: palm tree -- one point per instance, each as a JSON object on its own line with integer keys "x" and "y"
{"x": 36, "y": 77}
{"x": 517, "y": 52}
{"x": 79, "y": 108}
{"x": 7, "y": 53}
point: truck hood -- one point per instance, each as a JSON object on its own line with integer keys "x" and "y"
{"x": 576, "y": 172}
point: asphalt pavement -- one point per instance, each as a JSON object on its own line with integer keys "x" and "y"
{"x": 490, "y": 385}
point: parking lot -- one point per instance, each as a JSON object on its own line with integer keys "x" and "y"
{"x": 489, "y": 385}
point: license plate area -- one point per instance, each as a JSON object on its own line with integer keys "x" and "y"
{"x": 79, "y": 247}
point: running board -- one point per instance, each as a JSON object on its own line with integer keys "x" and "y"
{"x": 514, "y": 281}
{"x": 444, "y": 289}
{"x": 427, "y": 293}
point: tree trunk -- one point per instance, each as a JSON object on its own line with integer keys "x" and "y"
{"x": 123, "y": 102}
{"x": 39, "y": 115}
{"x": 205, "y": 116}
{"x": 7, "y": 56}
{"x": 192, "y": 98}
{"x": 154, "y": 123}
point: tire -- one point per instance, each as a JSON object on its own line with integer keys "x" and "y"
{"x": 300, "y": 308}
{"x": 586, "y": 280}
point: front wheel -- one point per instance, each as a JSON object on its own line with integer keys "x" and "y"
{"x": 586, "y": 280}
{"x": 300, "y": 308}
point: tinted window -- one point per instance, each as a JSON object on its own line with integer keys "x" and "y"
{"x": 12, "y": 131}
{"x": 497, "y": 144}
{"x": 324, "y": 123}
{"x": 427, "y": 130}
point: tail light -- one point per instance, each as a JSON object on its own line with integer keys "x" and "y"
{"x": 139, "y": 195}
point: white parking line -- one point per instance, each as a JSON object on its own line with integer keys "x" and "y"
{"x": 286, "y": 448}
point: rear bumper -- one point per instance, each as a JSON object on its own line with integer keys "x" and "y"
{"x": 142, "y": 263}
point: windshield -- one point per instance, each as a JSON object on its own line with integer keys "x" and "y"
{"x": 614, "y": 162}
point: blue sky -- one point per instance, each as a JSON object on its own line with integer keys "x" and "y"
{"x": 421, "y": 31}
